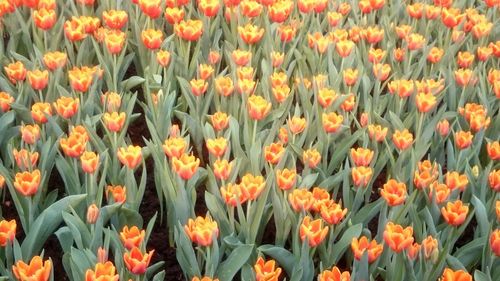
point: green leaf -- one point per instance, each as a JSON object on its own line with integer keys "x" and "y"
{"x": 284, "y": 257}
{"x": 238, "y": 257}
{"x": 481, "y": 216}
{"x": 344, "y": 242}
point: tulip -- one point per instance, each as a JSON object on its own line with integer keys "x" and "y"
{"x": 152, "y": 38}
{"x": 130, "y": 156}
{"x": 114, "y": 121}
{"x": 459, "y": 275}
{"x": 30, "y": 133}
{"x": 313, "y": 231}
{"x": 73, "y": 146}
{"x": 16, "y": 72}
{"x": 376, "y": 55}
{"x": 80, "y": 79}
{"x": 27, "y": 183}
{"x": 115, "y": 19}
{"x": 456, "y": 181}
{"x": 54, "y": 60}
{"x": 361, "y": 176}
{"x": 92, "y": 214}
{"x": 455, "y": 213}
{"x": 90, "y": 161}
{"x": 463, "y": 139}
{"x": 274, "y": 152}
{"x": 24, "y": 158}
{"x": 435, "y": 55}
{"x": 397, "y": 237}
{"x": 174, "y": 147}
{"x": 402, "y": 139}
{"x": 185, "y": 165}
{"x": 430, "y": 245}
{"x": 258, "y": 107}
{"x": 334, "y": 275}
{"x": 114, "y": 41}
{"x": 361, "y": 156}
{"x": 136, "y": 261}
{"x": 174, "y": 15}
{"x": 495, "y": 242}
{"x": 37, "y": 269}
{"x": 494, "y": 180}
{"x": 202, "y": 230}
{"x": 326, "y": 97}
{"x": 381, "y": 71}
{"x": 413, "y": 250}
{"x": 443, "y": 128}
{"x": 150, "y": 7}
{"x": 103, "y": 271}
{"x": 394, "y": 192}
{"x": 252, "y": 186}
{"x": 189, "y": 30}
{"x": 266, "y": 270}
{"x": 5, "y": 101}
{"x": 377, "y": 132}
{"x": 7, "y": 232}
{"x": 67, "y": 107}
{"x": 222, "y": 169}
{"x": 74, "y": 29}
{"x": 205, "y": 278}
{"x": 332, "y": 212}
{"x": 425, "y": 102}
{"x": 279, "y": 11}
{"x": 311, "y": 157}
{"x": 132, "y": 237}
{"x": 286, "y": 178}
{"x": 301, "y": 200}
{"x": 359, "y": 246}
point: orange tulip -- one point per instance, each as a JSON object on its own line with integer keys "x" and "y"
{"x": 7, "y": 232}
{"x": 250, "y": 34}
{"x": 361, "y": 156}
{"x": 115, "y": 40}
{"x": 286, "y": 178}
{"x": 344, "y": 48}
{"x": 37, "y": 269}
{"x": 5, "y": 101}
{"x": 130, "y": 156}
{"x": 430, "y": 245}
{"x": 185, "y": 165}
{"x": 73, "y": 146}
{"x": 456, "y": 181}
{"x": 443, "y": 128}
{"x": 301, "y": 200}
{"x": 397, "y": 237}
{"x": 103, "y": 271}
{"x": 266, "y": 270}
{"x": 224, "y": 86}
{"x": 152, "y": 8}
{"x": 220, "y": 121}
{"x": 494, "y": 180}
{"x": 332, "y": 122}
{"x": 394, "y": 192}
{"x": 415, "y": 41}
{"x": 376, "y": 55}
{"x": 217, "y": 147}
{"x": 465, "y": 59}
{"x": 114, "y": 121}
{"x": 202, "y": 230}
{"x": 66, "y": 107}
{"x": 174, "y": 147}
{"x": 80, "y": 79}
{"x": 16, "y": 72}
{"x": 425, "y": 102}
{"x": 361, "y": 176}
{"x": 381, "y": 71}
{"x": 274, "y": 152}
{"x": 277, "y": 59}
{"x": 311, "y": 157}
{"x": 152, "y": 38}
{"x": 90, "y": 161}
{"x": 252, "y": 186}
{"x": 403, "y": 88}
{"x": 163, "y": 58}
{"x": 402, "y": 139}
{"x": 241, "y": 57}
{"x": 222, "y": 169}
{"x": 44, "y": 18}
{"x": 464, "y": 77}
{"x": 30, "y": 133}
{"x": 136, "y": 261}
{"x": 189, "y": 30}
{"x": 326, "y": 97}
{"x": 54, "y": 60}
{"x": 320, "y": 198}
{"x": 279, "y": 11}
{"x": 27, "y": 183}
{"x": 24, "y": 158}
{"x": 495, "y": 242}
{"x": 451, "y": 17}
{"x": 258, "y": 107}
{"x": 80, "y": 132}
{"x": 297, "y": 125}
{"x": 174, "y": 15}
{"x": 377, "y": 132}
{"x": 463, "y": 139}
{"x": 441, "y": 190}
{"x": 483, "y": 53}
{"x": 115, "y": 19}
{"x": 198, "y": 87}
{"x": 132, "y": 237}
{"x": 74, "y": 29}
{"x": 455, "y": 213}
{"x": 332, "y": 212}
{"x": 334, "y": 275}
{"x": 413, "y": 250}
{"x": 92, "y": 214}
{"x": 313, "y": 231}
{"x": 287, "y": 32}
{"x": 205, "y": 278}
{"x": 459, "y": 275}
{"x": 359, "y": 246}
{"x": 435, "y": 55}
{"x": 232, "y": 194}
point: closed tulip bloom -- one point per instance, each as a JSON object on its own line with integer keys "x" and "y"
{"x": 5, "y": 101}
{"x": 459, "y": 275}
{"x": 494, "y": 180}
{"x": 74, "y": 29}
{"x": 326, "y": 97}
{"x": 174, "y": 147}
{"x": 7, "y": 232}
{"x": 219, "y": 120}
{"x": 313, "y": 231}
{"x": 435, "y": 55}
{"x": 451, "y": 17}
{"x": 250, "y": 34}
{"x": 430, "y": 245}
{"x": 483, "y": 53}
{"x": 281, "y": 93}
{"x": 403, "y": 88}
{"x": 189, "y": 30}
{"x": 90, "y": 161}
{"x": 252, "y": 186}
{"x": 80, "y": 132}
{"x": 441, "y": 190}
{"x": 258, "y": 107}
{"x": 30, "y": 133}
{"x": 332, "y": 212}
{"x": 394, "y": 192}
{"x": 301, "y": 200}
{"x": 44, "y": 18}
{"x": 495, "y": 242}
{"x": 241, "y": 57}
{"x": 217, "y": 147}
{"x": 397, "y": 237}
{"x": 102, "y": 272}
{"x": 344, "y": 48}
{"x": 361, "y": 176}
{"x": 359, "y": 246}
{"x": 413, "y": 250}
{"x": 279, "y": 11}
{"x": 425, "y": 102}
{"x": 349, "y": 103}
{"x": 222, "y": 169}
{"x": 152, "y": 38}
{"x": 67, "y": 107}
{"x": 286, "y": 178}
{"x": 16, "y": 72}
{"x": 185, "y": 165}
{"x": 163, "y": 58}
{"x": 415, "y": 41}
{"x": 24, "y": 158}
{"x": 463, "y": 139}
{"x": 332, "y": 122}
{"x": 54, "y": 60}
{"x": 224, "y": 86}
{"x": 274, "y": 152}
{"x": 297, "y": 125}
{"x": 464, "y": 77}
{"x": 443, "y": 127}
{"x": 136, "y": 261}
{"x": 361, "y": 156}
{"x": 73, "y": 146}
{"x": 27, "y": 183}
{"x": 114, "y": 41}
{"x": 92, "y": 214}
{"x": 198, "y": 86}
{"x": 377, "y": 132}
{"x": 455, "y": 213}
{"x": 334, "y": 275}
{"x": 402, "y": 139}
{"x": 132, "y": 237}
{"x": 130, "y": 156}
{"x": 266, "y": 270}
{"x": 320, "y": 198}
{"x": 209, "y": 8}
{"x": 114, "y": 121}
{"x": 465, "y": 59}
{"x": 381, "y": 71}
{"x": 350, "y": 76}
{"x": 376, "y": 55}
{"x": 202, "y": 230}
{"x": 37, "y": 269}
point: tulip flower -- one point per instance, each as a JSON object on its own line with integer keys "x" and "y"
{"x": 311, "y": 158}
{"x": 136, "y": 261}
{"x": 27, "y": 183}
{"x": 132, "y": 237}
{"x": 103, "y": 271}
{"x": 130, "y": 156}
{"x": 266, "y": 270}
{"x": 495, "y": 242}
{"x": 397, "y": 237}
{"x": 334, "y": 275}
{"x": 313, "y": 231}
{"x": 7, "y": 232}
{"x": 37, "y": 269}
{"x": 430, "y": 245}
{"x": 92, "y": 214}
{"x": 301, "y": 200}
{"x": 118, "y": 192}
{"x": 286, "y": 178}
{"x": 459, "y": 275}
{"x": 359, "y": 246}
{"x": 394, "y": 193}
{"x": 202, "y": 230}
{"x": 185, "y": 165}
{"x": 455, "y": 213}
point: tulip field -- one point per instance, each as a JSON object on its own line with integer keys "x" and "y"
{"x": 266, "y": 140}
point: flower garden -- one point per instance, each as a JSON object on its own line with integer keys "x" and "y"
{"x": 250, "y": 140}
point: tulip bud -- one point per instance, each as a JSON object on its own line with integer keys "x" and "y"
{"x": 92, "y": 214}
